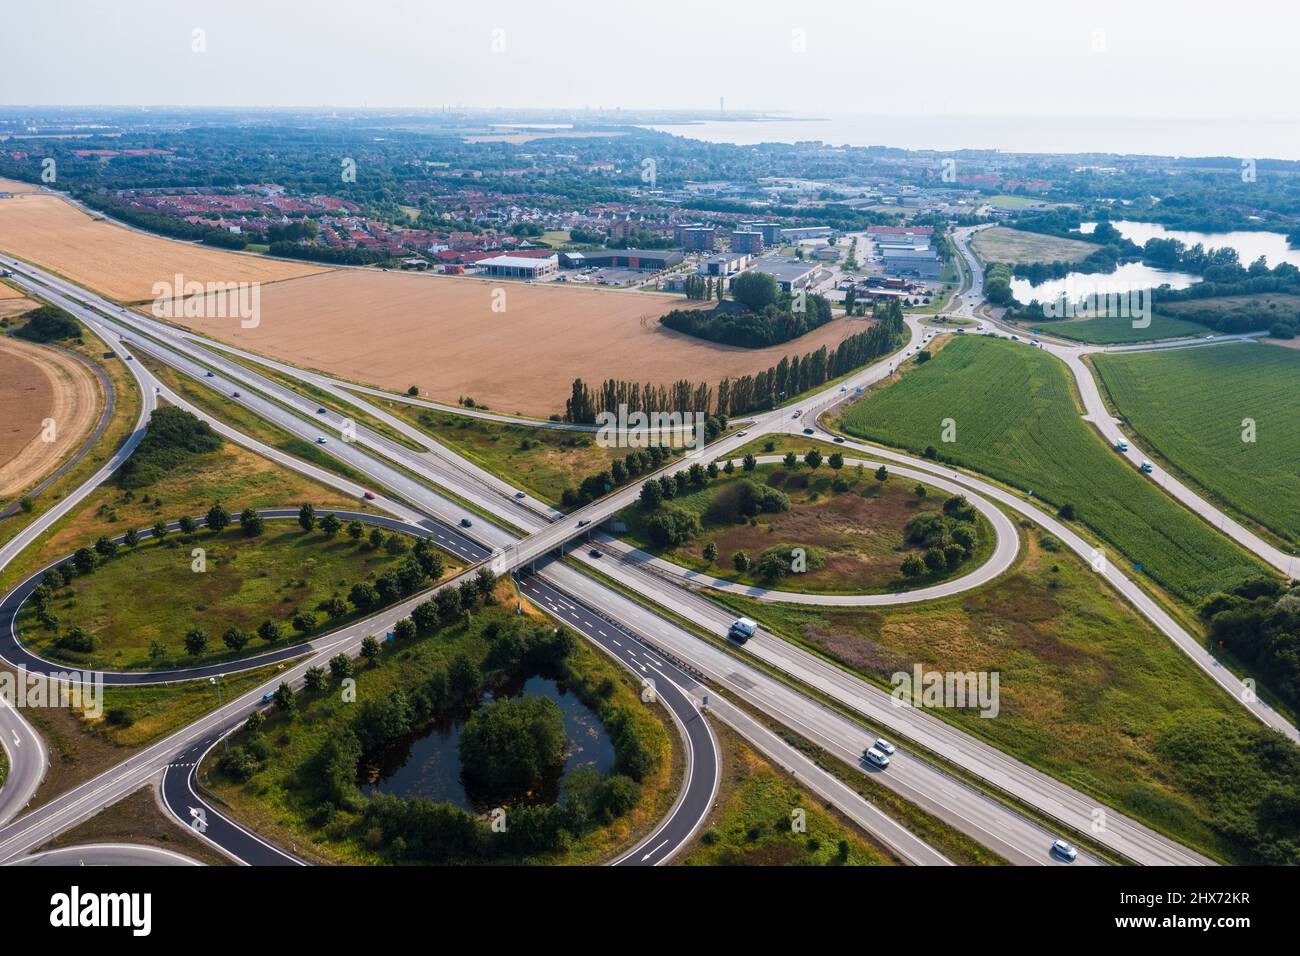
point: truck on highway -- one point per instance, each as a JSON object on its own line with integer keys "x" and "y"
{"x": 742, "y": 629}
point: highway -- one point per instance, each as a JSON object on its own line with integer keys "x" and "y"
{"x": 873, "y": 373}
{"x": 107, "y": 854}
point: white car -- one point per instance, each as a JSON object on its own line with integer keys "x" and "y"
{"x": 884, "y": 746}
{"x": 1121, "y": 445}
{"x": 320, "y": 440}
{"x": 876, "y": 757}
{"x": 1064, "y": 850}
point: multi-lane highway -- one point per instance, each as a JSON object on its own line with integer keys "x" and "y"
{"x": 999, "y": 827}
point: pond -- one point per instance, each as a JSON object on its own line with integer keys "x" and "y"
{"x": 1130, "y": 277}
{"x": 427, "y": 763}
{"x": 1249, "y": 245}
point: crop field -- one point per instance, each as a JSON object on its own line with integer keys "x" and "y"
{"x": 1115, "y": 330}
{"x": 1283, "y": 304}
{"x": 39, "y": 384}
{"x": 1014, "y": 247}
{"x": 16, "y": 186}
{"x": 121, "y": 263}
{"x": 1188, "y": 405}
{"x": 1089, "y": 692}
{"x": 1016, "y": 419}
{"x": 442, "y": 334}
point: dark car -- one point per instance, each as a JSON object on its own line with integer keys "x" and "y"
{"x": 464, "y": 522}
{"x": 807, "y": 431}
{"x": 593, "y": 553}
{"x": 839, "y": 439}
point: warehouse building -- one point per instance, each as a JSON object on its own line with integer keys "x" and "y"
{"x": 652, "y": 260}
{"x": 519, "y": 267}
{"x": 790, "y": 274}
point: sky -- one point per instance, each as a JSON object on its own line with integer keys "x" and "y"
{"x": 1096, "y": 58}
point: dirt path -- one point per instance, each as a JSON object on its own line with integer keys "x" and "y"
{"x": 39, "y": 383}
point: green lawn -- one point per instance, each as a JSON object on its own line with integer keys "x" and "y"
{"x": 152, "y": 594}
{"x": 1089, "y": 692}
{"x": 1189, "y": 405}
{"x": 1015, "y": 417}
{"x": 853, "y": 537}
{"x": 755, "y": 824}
{"x": 542, "y": 461}
{"x": 1117, "y": 331}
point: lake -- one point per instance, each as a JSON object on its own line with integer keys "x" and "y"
{"x": 427, "y": 764}
{"x": 1249, "y": 245}
{"x": 1129, "y": 277}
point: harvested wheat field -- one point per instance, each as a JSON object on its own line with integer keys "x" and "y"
{"x": 17, "y": 186}
{"x": 120, "y": 262}
{"x": 37, "y": 383}
{"x": 394, "y": 330}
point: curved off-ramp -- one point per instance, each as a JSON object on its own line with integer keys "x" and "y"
{"x": 106, "y": 854}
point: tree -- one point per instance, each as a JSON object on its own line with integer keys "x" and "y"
{"x": 919, "y": 490}
{"x": 341, "y": 666}
{"x": 370, "y": 648}
{"x": 791, "y": 460}
{"x": 314, "y": 679}
{"x": 336, "y": 607}
{"x": 935, "y": 560}
{"x": 251, "y": 523}
{"x": 269, "y": 630}
{"x": 836, "y": 461}
{"x": 448, "y": 601}
{"x": 425, "y": 616}
{"x": 882, "y": 473}
{"x": 253, "y": 725}
{"x": 749, "y": 463}
{"x": 651, "y": 495}
{"x": 188, "y": 525}
{"x": 132, "y": 538}
{"x": 513, "y": 745}
{"x": 307, "y": 517}
{"x": 376, "y": 538}
{"x": 404, "y": 630}
{"x": 196, "y": 641}
{"x": 813, "y": 459}
{"x": 486, "y": 582}
{"x": 710, "y": 552}
{"x": 284, "y": 699}
{"x": 363, "y": 596}
{"x": 159, "y": 529}
{"x": 1066, "y": 512}
{"x": 304, "y": 621}
{"x": 729, "y": 467}
{"x": 741, "y": 560}
{"x": 235, "y": 639}
{"x": 356, "y": 529}
{"x": 755, "y": 290}
{"x": 84, "y": 560}
{"x": 913, "y": 567}
{"x": 105, "y": 546}
{"x": 218, "y": 517}
{"x": 157, "y": 650}
{"x": 330, "y": 525}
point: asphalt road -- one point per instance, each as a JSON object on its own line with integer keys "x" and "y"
{"x": 1028, "y": 846}
{"x": 106, "y": 854}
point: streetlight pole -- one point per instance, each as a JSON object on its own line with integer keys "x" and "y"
{"x": 215, "y": 682}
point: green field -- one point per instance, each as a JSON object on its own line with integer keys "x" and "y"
{"x": 1016, "y": 420}
{"x": 853, "y": 536}
{"x": 753, "y": 824}
{"x": 1115, "y": 330}
{"x": 543, "y": 461}
{"x": 151, "y": 593}
{"x": 1089, "y": 693}
{"x": 1188, "y": 406}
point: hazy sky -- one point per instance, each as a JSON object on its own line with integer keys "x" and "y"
{"x": 1135, "y": 57}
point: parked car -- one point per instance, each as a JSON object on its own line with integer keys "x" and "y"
{"x": 1064, "y": 850}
